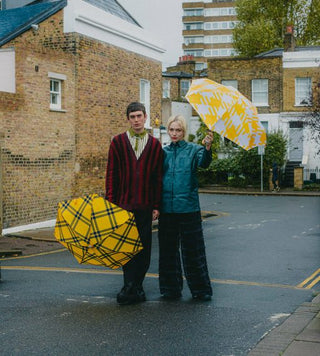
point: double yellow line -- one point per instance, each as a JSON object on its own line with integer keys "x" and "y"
{"x": 310, "y": 281}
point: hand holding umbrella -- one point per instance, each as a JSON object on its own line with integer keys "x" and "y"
{"x": 207, "y": 141}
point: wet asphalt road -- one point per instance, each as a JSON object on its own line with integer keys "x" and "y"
{"x": 259, "y": 249}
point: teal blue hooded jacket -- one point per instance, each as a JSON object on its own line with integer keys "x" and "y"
{"x": 180, "y": 182}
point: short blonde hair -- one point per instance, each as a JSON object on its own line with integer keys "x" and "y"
{"x": 180, "y": 120}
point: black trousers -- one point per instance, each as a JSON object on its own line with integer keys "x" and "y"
{"x": 135, "y": 270}
{"x": 182, "y": 232}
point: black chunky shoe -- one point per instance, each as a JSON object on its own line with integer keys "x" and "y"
{"x": 202, "y": 297}
{"x": 130, "y": 294}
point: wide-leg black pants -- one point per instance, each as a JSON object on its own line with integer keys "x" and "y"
{"x": 135, "y": 270}
{"x": 182, "y": 232}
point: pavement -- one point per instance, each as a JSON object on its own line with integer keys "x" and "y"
{"x": 298, "y": 335}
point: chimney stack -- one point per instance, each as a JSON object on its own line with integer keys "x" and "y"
{"x": 289, "y": 41}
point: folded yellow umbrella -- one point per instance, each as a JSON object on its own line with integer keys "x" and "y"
{"x": 97, "y": 231}
{"x": 226, "y": 111}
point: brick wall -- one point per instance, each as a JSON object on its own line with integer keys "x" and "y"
{"x": 244, "y": 70}
{"x": 109, "y": 78}
{"x": 49, "y": 156}
{"x": 289, "y": 76}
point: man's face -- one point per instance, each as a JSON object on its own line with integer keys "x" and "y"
{"x": 137, "y": 120}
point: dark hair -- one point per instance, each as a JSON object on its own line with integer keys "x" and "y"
{"x": 135, "y": 106}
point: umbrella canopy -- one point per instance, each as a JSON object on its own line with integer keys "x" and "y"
{"x": 226, "y": 111}
{"x": 97, "y": 232}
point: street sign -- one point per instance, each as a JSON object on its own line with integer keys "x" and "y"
{"x": 261, "y": 150}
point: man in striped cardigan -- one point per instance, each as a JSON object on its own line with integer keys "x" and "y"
{"x": 134, "y": 182}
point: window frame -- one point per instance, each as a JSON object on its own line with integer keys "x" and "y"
{"x": 183, "y": 90}
{"x": 230, "y": 83}
{"x": 59, "y": 79}
{"x": 255, "y": 92}
{"x": 145, "y": 99}
{"x": 55, "y": 94}
{"x": 300, "y": 98}
{"x": 166, "y": 89}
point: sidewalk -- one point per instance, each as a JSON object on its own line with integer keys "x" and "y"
{"x": 298, "y": 335}
{"x": 211, "y": 189}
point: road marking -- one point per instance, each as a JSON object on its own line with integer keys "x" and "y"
{"x": 33, "y": 255}
{"x": 312, "y": 280}
{"x": 150, "y": 275}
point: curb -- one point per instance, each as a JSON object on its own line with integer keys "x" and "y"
{"x": 248, "y": 192}
{"x": 296, "y": 328}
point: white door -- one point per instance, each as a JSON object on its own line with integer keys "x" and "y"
{"x": 295, "y": 144}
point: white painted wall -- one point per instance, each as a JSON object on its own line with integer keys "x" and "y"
{"x": 86, "y": 19}
{"x": 301, "y": 59}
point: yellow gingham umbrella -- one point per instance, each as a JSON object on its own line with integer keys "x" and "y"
{"x": 97, "y": 232}
{"x": 226, "y": 111}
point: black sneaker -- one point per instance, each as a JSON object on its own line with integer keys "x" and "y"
{"x": 202, "y": 297}
{"x": 130, "y": 294}
{"x": 127, "y": 295}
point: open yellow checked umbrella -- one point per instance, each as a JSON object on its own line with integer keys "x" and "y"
{"x": 97, "y": 232}
{"x": 226, "y": 111}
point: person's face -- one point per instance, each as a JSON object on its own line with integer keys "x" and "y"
{"x": 175, "y": 132}
{"x": 137, "y": 120}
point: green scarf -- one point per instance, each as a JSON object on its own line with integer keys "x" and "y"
{"x": 137, "y": 136}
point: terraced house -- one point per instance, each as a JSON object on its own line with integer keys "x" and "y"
{"x": 68, "y": 69}
{"x": 281, "y": 84}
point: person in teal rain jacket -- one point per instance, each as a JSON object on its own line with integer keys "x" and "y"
{"x": 180, "y": 225}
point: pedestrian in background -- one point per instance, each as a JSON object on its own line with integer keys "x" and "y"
{"x": 180, "y": 224}
{"x": 133, "y": 182}
{"x": 275, "y": 177}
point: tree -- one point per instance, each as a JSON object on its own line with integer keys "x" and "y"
{"x": 262, "y": 24}
{"x": 313, "y": 119}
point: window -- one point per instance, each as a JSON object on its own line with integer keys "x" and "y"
{"x": 219, "y": 25}
{"x": 166, "y": 88}
{"x": 260, "y": 92}
{"x": 56, "y": 86}
{"x": 219, "y": 52}
{"x": 184, "y": 87}
{"x": 145, "y": 98}
{"x": 193, "y": 26}
{"x": 303, "y": 92}
{"x": 218, "y": 39}
{"x": 194, "y": 39}
{"x": 230, "y": 83}
{"x": 220, "y": 11}
{"x": 200, "y": 66}
{"x": 55, "y": 94}
{"x": 193, "y": 12}
{"x": 194, "y": 53}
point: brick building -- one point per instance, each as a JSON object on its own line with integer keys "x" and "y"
{"x": 68, "y": 69}
{"x": 280, "y": 83}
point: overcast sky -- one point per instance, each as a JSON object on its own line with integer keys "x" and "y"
{"x": 163, "y": 18}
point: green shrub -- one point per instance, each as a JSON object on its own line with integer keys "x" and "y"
{"x": 243, "y": 168}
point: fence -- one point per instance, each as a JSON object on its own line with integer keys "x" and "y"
{"x": 311, "y": 175}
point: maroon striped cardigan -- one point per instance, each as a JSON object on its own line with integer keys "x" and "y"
{"x": 134, "y": 184}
